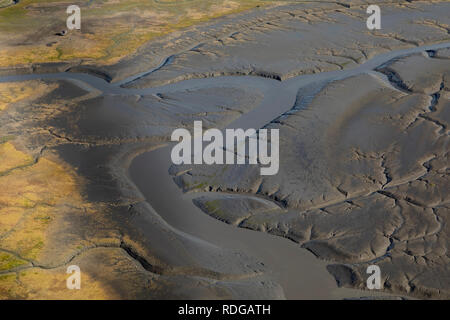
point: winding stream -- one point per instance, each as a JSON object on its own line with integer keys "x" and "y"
{"x": 301, "y": 275}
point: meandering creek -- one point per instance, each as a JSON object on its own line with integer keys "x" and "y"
{"x": 301, "y": 275}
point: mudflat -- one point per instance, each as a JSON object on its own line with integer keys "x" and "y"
{"x": 86, "y": 177}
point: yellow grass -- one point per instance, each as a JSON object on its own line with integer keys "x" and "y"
{"x": 28, "y": 200}
{"x": 11, "y": 158}
{"x": 12, "y": 92}
{"x": 49, "y": 284}
{"x": 29, "y": 194}
{"x": 111, "y": 34}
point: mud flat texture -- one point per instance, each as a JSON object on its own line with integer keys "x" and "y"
{"x": 363, "y": 151}
{"x": 363, "y": 177}
{"x": 65, "y": 200}
{"x": 290, "y": 39}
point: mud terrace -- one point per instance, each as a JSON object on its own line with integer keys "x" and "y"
{"x": 363, "y": 119}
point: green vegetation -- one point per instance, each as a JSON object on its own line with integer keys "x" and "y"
{"x": 6, "y": 139}
{"x": 213, "y": 206}
{"x": 9, "y": 262}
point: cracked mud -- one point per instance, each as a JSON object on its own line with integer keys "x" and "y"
{"x": 364, "y": 129}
